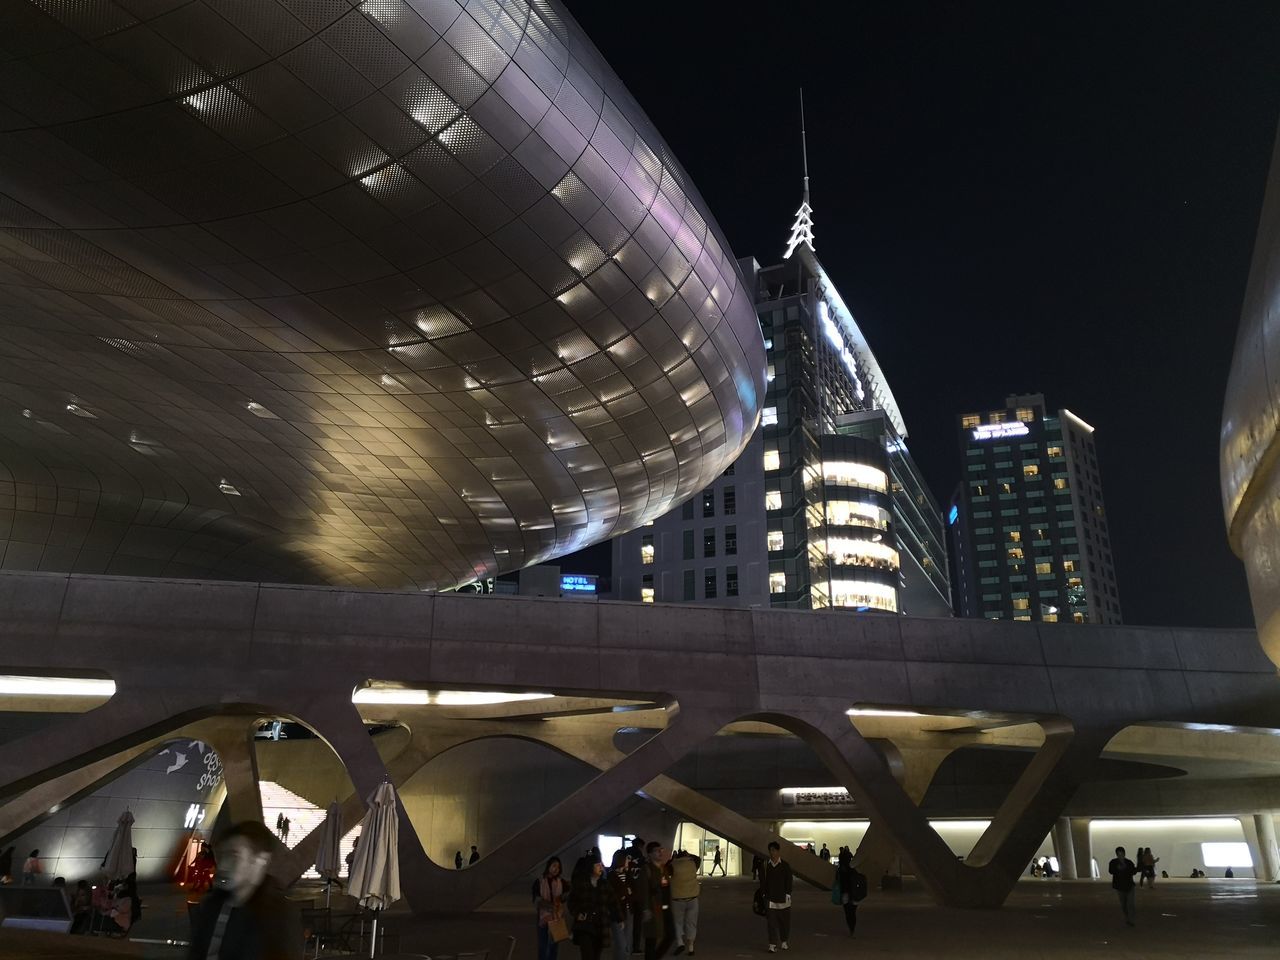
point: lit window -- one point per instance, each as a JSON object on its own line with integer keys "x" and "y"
{"x": 771, "y": 460}
{"x": 847, "y": 552}
{"x": 646, "y": 548}
{"x": 769, "y": 374}
{"x": 1030, "y": 470}
{"x": 850, "y": 474}
{"x": 708, "y": 503}
{"x": 1059, "y": 483}
{"x": 858, "y": 594}
{"x": 1055, "y": 451}
{"x": 1006, "y": 488}
{"x": 773, "y": 500}
{"x": 1015, "y": 553}
{"x": 1044, "y": 566}
{"x": 853, "y": 513}
{"x": 778, "y": 582}
{"x": 1049, "y": 617}
{"x": 646, "y": 594}
{"x": 1079, "y": 617}
{"x": 1069, "y": 566}
{"x": 1026, "y": 415}
{"x": 1015, "y": 536}
{"x": 768, "y": 344}
{"x": 970, "y": 420}
{"x": 775, "y": 539}
{"x": 1021, "y": 603}
{"x": 1074, "y": 582}
{"x": 996, "y": 416}
{"x": 1023, "y": 616}
{"x": 770, "y": 417}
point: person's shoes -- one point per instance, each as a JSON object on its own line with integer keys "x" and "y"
{"x": 772, "y": 948}
{"x": 679, "y": 950}
{"x": 784, "y": 945}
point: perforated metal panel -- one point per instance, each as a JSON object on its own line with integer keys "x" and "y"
{"x": 380, "y": 294}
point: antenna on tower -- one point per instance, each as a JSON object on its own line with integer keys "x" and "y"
{"x": 804, "y": 147}
{"x": 802, "y": 229}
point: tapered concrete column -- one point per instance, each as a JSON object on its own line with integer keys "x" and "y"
{"x": 1268, "y": 860}
{"x": 1064, "y": 849}
{"x": 1081, "y": 848}
{"x": 232, "y": 739}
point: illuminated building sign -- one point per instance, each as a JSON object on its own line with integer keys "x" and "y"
{"x": 954, "y": 515}
{"x": 577, "y": 583}
{"x": 816, "y": 797}
{"x": 994, "y": 431}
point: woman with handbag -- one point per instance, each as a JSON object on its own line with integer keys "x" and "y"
{"x": 592, "y": 906}
{"x": 548, "y": 900}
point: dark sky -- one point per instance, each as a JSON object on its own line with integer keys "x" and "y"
{"x": 1011, "y": 197}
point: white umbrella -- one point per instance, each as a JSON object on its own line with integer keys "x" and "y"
{"x": 118, "y": 863}
{"x": 328, "y": 856}
{"x": 375, "y": 869}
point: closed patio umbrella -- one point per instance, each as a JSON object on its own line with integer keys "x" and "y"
{"x": 375, "y": 869}
{"x": 328, "y": 855}
{"x": 118, "y": 863}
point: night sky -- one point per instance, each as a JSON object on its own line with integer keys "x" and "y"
{"x": 1011, "y": 198}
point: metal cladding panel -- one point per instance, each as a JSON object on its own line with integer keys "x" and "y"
{"x": 397, "y": 293}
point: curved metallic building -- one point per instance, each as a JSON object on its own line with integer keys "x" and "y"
{"x": 402, "y": 292}
{"x": 1251, "y": 425}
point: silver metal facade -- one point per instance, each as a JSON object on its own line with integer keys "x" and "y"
{"x": 392, "y": 293}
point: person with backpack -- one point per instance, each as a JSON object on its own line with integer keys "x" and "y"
{"x": 1122, "y": 871}
{"x": 853, "y": 888}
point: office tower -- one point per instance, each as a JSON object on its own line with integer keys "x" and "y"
{"x": 1028, "y": 528}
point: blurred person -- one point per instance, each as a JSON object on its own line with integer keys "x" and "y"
{"x": 716, "y": 863}
{"x": 245, "y": 916}
{"x": 1122, "y": 870}
{"x": 825, "y": 853}
{"x": 100, "y": 903}
{"x": 31, "y": 869}
{"x": 621, "y": 879}
{"x": 475, "y": 856}
{"x": 6, "y": 865}
{"x": 653, "y": 890}
{"x": 81, "y": 904}
{"x": 124, "y": 911}
{"x": 776, "y": 882}
{"x": 592, "y": 905}
{"x": 853, "y": 888}
{"x": 1148, "y": 866}
{"x": 548, "y": 902}
{"x": 683, "y": 870}
{"x": 457, "y": 859}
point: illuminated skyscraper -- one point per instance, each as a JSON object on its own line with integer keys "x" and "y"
{"x": 1027, "y": 524}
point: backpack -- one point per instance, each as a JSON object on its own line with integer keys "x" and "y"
{"x": 759, "y": 905}
{"x": 858, "y": 891}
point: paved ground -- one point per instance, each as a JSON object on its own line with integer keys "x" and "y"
{"x": 1043, "y": 919}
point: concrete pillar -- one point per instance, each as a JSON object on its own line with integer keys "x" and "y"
{"x": 1260, "y": 834}
{"x": 1081, "y": 848}
{"x": 1265, "y": 824}
{"x": 1064, "y": 849}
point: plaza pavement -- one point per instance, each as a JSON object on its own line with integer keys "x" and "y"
{"x": 1042, "y": 919}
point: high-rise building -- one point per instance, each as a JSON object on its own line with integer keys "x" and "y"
{"x": 829, "y": 509}
{"x": 1028, "y": 528}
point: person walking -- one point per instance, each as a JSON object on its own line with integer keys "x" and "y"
{"x": 1122, "y": 871}
{"x": 853, "y": 888}
{"x": 548, "y": 902}
{"x": 776, "y": 882}
{"x": 475, "y": 855}
{"x": 592, "y": 906}
{"x": 284, "y": 831}
{"x": 1148, "y": 865}
{"x": 620, "y": 929}
{"x": 825, "y": 853}
{"x": 653, "y": 890}
{"x": 716, "y": 864}
{"x": 637, "y": 896}
{"x": 31, "y": 869}
{"x": 457, "y": 859}
{"x": 280, "y": 824}
{"x": 684, "y": 899}
{"x": 757, "y": 865}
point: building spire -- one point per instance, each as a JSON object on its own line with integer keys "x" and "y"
{"x": 802, "y": 228}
